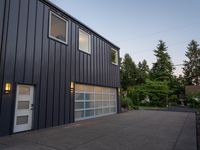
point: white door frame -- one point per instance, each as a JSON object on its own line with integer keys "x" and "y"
{"x": 24, "y": 100}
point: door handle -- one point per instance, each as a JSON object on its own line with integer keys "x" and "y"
{"x": 32, "y": 106}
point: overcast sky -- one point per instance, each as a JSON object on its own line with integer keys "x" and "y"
{"x": 137, "y": 25}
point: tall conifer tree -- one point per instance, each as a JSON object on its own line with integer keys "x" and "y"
{"x": 191, "y": 68}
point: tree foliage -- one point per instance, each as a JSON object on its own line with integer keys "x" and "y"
{"x": 143, "y": 72}
{"x": 191, "y": 68}
{"x": 156, "y": 91}
{"x": 128, "y": 72}
{"x": 163, "y": 68}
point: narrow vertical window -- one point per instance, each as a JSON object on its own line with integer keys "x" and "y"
{"x": 58, "y": 29}
{"x": 114, "y": 56}
{"x": 84, "y": 41}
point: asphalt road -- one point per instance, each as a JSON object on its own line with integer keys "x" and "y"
{"x": 134, "y": 130}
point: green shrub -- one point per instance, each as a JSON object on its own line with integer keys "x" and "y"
{"x": 193, "y": 100}
{"x": 126, "y": 102}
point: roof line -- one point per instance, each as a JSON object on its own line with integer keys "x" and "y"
{"x": 73, "y": 18}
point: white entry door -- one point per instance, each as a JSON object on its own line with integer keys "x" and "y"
{"x": 23, "y": 108}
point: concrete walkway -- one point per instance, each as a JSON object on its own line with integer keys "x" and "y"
{"x": 135, "y": 130}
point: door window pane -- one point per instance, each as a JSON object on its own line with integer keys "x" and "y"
{"x": 24, "y": 90}
{"x": 23, "y": 105}
{"x": 22, "y": 120}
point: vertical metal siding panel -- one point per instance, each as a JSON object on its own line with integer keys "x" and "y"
{"x": 81, "y": 66}
{"x": 77, "y": 65}
{"x": 106, "y": 66}
{"x": 74, "y": 42}
{"x": 62, "y": 84}
{"x": 37, "y": 61}
{"x": 56, "y": 85}
{"x": 11, "y": 41}
{"x": 103, "y": 64}
{"x": 118, "y": 72}
{"x": 109, "y": 64}
{"x": 68, "y": 73}
{"x": 85, "y": 76}
{"x": 50, "y": 88}
{"x": 30, "y": 42}
{"x": 89, "y": 69}
{"x": 92, "y": 61}
{"x": 2, "y": 12}
{"x": 21, "y": 42}
{"x": 73, "y": 59}
{"x": 7, "y": 100}
{"x": 44, "y": 69}
{"x": 73, "y": 50}
{"x": 97, "y": 60}
{"x": 2, "y": 31}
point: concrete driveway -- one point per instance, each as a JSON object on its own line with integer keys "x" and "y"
{"x": 135, "y": 130}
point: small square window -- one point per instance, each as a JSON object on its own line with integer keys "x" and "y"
{"x": 84, "y": 41}
{"x": 114, "y": 56}
{"x": 58, "y": 29}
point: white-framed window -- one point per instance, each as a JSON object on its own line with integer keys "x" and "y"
{"x": 84, "y": 41}
{"x": 114, "y": 56}
{"x": 58, "y": 28}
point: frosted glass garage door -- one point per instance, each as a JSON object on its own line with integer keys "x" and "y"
{"x": 94, "y": 101}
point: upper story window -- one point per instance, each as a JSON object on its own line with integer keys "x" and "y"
{"x": 58, "y": 28}
{"x": 114, "y": 56}
{"x": 84, "y": 41}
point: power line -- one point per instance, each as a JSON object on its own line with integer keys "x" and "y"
{"x": 178, "y": 65}
{"x": 158, "y": 32}
{"x": 181, "y": 42}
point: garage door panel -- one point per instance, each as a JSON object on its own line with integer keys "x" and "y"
{"x": 94, "y": 101}
{"x": 79, "y": 96}
{"x": 89, "y": 104}
{"x": 79, "y": 105}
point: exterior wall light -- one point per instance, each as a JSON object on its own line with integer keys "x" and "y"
{"x": 72, "y": 87}
{"x": 7, "y": 88}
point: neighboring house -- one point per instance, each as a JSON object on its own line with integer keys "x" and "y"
{"x": 54, "y": 70}
{"x": 192, "y": 89}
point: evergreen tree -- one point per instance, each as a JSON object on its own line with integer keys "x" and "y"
{"x": 191, "y": 68}
{"x": 143, "y": 72}
{"x": 163, "y": 68}
{"x": 128, "y": 72}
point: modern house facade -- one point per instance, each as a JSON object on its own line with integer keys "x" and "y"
{"x": 54, "y": 70}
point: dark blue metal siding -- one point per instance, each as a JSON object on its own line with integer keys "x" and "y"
{"x": 29, "y": 56}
